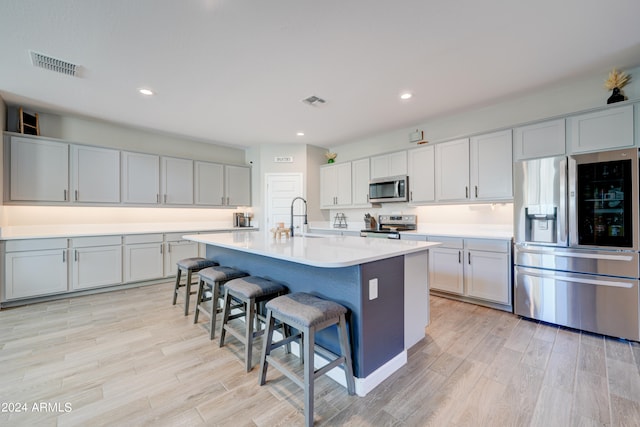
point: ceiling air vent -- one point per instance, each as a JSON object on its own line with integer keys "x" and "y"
{"x": 53, "y": 64}
{"x": 314, "y": 100}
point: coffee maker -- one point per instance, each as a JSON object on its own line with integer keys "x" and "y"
{"x": 242, "y": 219}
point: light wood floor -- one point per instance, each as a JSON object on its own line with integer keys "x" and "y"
{"x": 130, "y": 358}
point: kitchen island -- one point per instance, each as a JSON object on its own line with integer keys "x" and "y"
{"x": 382, "y": 282}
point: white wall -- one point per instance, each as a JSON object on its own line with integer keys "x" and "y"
{"x": 559, "y": 100}
{"x": 93, "y": 132}
{"x": 553, "y": 101}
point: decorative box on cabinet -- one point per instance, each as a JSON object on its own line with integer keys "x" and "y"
{"x": 143, "y": 257}
{"x": 35, "y": 267}
{"x": 607, "y": 129}
{"x": 96, "y": 261}
{"x": 545, "y": 139}
{"x": 472, "y": 270}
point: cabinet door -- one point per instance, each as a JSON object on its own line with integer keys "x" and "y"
{"x": 421, "y": 168}
{"x": 143, "y": 261}
{"x": 209, "y": 185}
{"x": 343, "y": 190}
{"x": 177, "y": 181}
{"x": 602, "y": 130}
{"x": 386, "y": 165}
{"x": 140, "y": 178}
{"x": 96, "y": 266}
{"x": 175, "y": 251}
{"x": 546, "y": 139}
{"x": 446, "y": 270}
{"x": 491, "y": 166}
{"x": 398, "y": 163}
{"x": 33, "y": 273}
{"x": 237, "y": 185}
{"x": 328, "y": 186}
{"x": 360, "y": 182}
{"x": 487, "y": 276}
{"x": 452, "y": 170}
{"x": 39, "y": 170}
{"x": 95, "y": 174}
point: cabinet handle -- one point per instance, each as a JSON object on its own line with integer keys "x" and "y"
{"x": 75, "y": 255}
{"x": 157, "y": 197}
{"x": 476, "y": 191}
{"x": 466, "y": 192}
{"x": 161, "y": 248}
{"x": 228, "y": 202}
{"x": 65, "y": 195}
{"x": 76, "y": 195}
{"x": 459, "y": 257}
{"x": 222, "y": 200}
{"x": 169, "y": 248}
{"x": 64, "y": 255}
{"x": 469, "y": 258}
{"x": 165, "y": 198}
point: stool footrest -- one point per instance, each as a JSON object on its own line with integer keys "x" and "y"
{"x": 286, "y": 371}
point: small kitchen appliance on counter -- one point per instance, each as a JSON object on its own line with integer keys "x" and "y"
{"x": 242, "y": 219}
{"x": 390, "y": 226}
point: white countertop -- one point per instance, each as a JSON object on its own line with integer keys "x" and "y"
{"x": 78, "y": 230}
{"x": 325, "y": 251}
{"x": 486, "y": 231}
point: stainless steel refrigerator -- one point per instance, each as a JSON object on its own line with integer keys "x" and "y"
{"x": 576, "y": 242}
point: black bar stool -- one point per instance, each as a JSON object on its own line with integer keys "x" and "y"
{"x": 189, "y": 266}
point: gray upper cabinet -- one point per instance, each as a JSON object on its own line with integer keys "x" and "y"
{"x": 222, "y": 185}
{"x": 545, "y": 139}
{"x": 95, "y": 174}
{"x": 177, "y": 181}
{"x": 39, "y": 170}
{"x": 237, "y": 185}
{"x": 601, "y": 130}
{"x": 140, "y": 178}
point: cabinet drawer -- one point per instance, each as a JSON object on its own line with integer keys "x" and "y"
{"x": 35, "y": 245}
{"x": 447, "y": 242}
{"x": 488, "y": 245}
{"x": 143, "y": 238}
{"x": 176, "y": 237}
{"x": 85, "y": 242}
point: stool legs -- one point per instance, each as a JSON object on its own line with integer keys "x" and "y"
{"x": 309, "y": 374}
{"x": 215, "y": 296}
{"x": 175, "y": 289}
{"x": 187, "y": 287}
{"x": 249, "y": 334}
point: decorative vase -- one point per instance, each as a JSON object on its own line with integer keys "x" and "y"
{"x": 330, "y": 161}
{"x": 616, "y": 96}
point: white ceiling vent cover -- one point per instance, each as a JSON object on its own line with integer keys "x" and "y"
{"x": 53, "y": 64}
{"x": 314, "y": 100}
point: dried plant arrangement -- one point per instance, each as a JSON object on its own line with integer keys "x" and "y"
{"x": 617, "y": 79}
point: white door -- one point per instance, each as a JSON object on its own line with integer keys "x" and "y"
{"x": 281, "y": 189}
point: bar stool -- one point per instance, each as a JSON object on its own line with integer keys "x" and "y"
{"x": 249, "y": 291}
{"x": 213, "y": 280}
{"x": 189, "y": 266}
{"x": 308, "y": 314}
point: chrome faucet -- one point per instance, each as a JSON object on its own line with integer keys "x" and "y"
{"x": 292, "y": 215}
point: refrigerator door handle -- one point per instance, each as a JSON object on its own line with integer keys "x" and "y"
{"x": 610, "y": 257}
{"x": 596, "y": 282}
{"x": 562, "y": 205}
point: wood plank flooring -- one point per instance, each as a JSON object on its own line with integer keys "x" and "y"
{"x": 129, "y": 358}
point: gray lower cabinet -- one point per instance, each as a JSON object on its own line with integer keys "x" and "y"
{"x": 143, "y": 257}
{"x": 475, "y": 270}
{"x": 35, "y": 267}
{"x": 176, "y": 249}
{"x": 95, "y": 261}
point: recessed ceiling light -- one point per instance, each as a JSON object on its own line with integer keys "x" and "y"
{"x": 147, "y": 92}
{"x": 406, "y": 95}
{"x": 300, "y": 133}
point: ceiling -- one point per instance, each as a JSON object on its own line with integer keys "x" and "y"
{"x": 235, "y": 71}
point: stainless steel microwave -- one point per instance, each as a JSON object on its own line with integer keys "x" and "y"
{"x": 391, "y": 189}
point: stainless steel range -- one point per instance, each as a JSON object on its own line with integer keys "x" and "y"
{"x": 576, "y": 233}
{"x": 390, "y": 226}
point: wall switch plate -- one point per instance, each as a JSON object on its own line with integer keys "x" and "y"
{"x": 373, "y": 288}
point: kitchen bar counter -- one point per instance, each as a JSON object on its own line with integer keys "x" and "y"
{"x": 485, "y": 231}
{"x": 382, "y": 282}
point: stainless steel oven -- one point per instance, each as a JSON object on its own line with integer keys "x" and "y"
{"x": 576, "y": 242}
{"x": 390, "y": 226}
